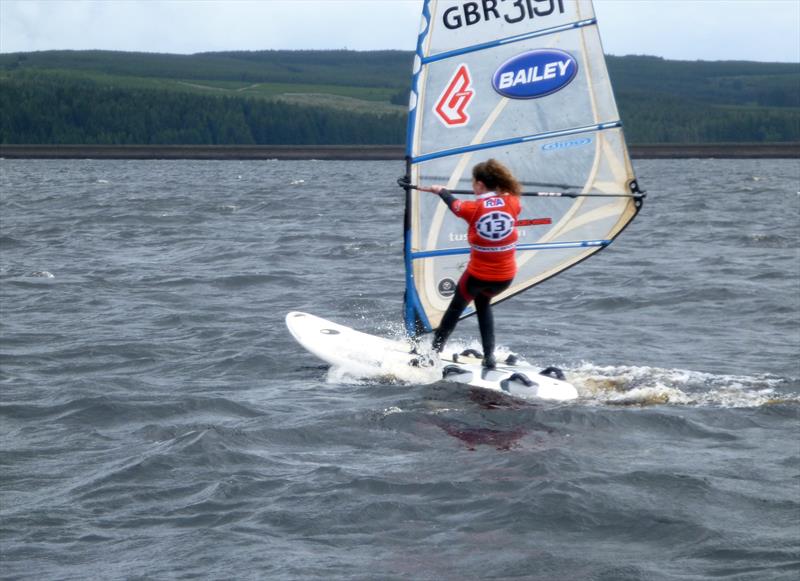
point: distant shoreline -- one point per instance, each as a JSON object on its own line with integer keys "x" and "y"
{"x": 361, "y": 152}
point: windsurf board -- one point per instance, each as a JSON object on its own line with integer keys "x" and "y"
{"x": 373, "y": 356}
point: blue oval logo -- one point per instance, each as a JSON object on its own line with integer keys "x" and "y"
{"x": 535, "y": 73}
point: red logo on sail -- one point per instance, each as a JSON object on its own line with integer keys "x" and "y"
{"x": 451, "y": 108}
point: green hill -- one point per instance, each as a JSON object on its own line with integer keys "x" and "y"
{"x": 347, "y": 97}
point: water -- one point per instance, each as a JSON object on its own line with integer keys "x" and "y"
{"x": 158, "y": 421}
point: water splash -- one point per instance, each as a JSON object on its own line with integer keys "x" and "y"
{"x": 644, "y": 386}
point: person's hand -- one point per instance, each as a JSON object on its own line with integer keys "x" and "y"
{"x": 435, "y": 189}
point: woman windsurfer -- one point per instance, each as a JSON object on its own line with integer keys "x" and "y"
{"x": 492, "y": 235}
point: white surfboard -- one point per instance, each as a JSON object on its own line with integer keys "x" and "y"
{"x": 372, "y": 356}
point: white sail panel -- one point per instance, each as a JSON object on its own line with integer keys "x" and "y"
{"x": 533, "y": 93}
{"x": 460, "y": 24}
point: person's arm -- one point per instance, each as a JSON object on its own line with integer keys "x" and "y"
{"x": 443, "y": 193}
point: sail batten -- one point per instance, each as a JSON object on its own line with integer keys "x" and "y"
{"x": 527, "y": 84}
{"x": 521, "y": 139}
{"x": 520, "y": 247}
{"x": 509, "y": 40}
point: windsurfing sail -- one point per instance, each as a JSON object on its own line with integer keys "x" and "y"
{"x": 524, "y": 82}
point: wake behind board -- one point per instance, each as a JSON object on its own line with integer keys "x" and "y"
{"x": 371, "y": 356}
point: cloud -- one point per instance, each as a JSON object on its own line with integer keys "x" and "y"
{"x": 766, "y": 30}
{"x": 760, "y": 30}
{"x": 187, "y": 26}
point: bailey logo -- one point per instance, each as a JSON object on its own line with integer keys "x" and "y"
{"x": 535, "y": 73}
{"x": 451, "y": 107}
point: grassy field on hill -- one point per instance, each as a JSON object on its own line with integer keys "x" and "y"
{"x": 347, "y": 97}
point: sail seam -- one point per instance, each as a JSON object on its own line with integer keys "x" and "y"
{"x": 501, "y": 41}
{"x": 515, "y": 140}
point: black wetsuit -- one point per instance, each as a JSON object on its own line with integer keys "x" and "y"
{"x": 471, "y": 289}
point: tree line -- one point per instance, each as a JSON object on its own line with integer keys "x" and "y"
{"x": 659, "y": 101}
{"x": 44, "y": 110}
{"x": 665, "y": 119}
{"x": 386, "y": 68}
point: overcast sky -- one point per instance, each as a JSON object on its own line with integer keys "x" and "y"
{"x": 761, "y": 30}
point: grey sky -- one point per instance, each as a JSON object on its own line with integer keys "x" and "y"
{"x": 761, "y": 30}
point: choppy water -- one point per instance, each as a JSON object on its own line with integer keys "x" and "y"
{"x": 158, "y": 421}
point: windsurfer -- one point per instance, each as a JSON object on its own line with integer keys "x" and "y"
{"x": 492, "y": 235}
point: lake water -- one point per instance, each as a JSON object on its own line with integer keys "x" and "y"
{"x": 159, "y": 422}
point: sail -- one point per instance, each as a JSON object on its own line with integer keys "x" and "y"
{"x": 524, "y": 82}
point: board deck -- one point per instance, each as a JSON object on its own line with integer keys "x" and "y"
{"x": 372, "y": 356}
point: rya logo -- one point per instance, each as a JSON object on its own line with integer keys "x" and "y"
{"x": 451, "y": 107}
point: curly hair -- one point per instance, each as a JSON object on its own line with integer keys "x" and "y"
{"x": 496, "y": 177}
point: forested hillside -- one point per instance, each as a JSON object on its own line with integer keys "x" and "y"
{"x": 347, "y": 97}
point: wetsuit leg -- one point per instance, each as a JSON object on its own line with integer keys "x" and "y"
{"x": 457, "y": 305}
{"x": 485, "y": 323}
{"x": 483, "y": 291}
